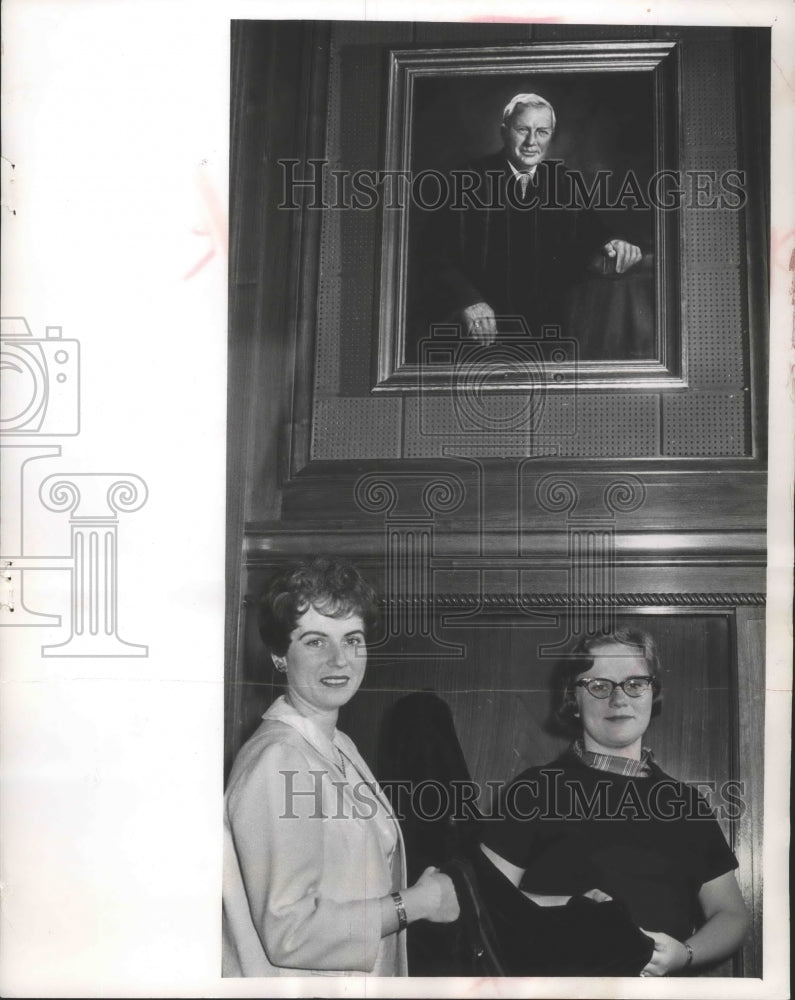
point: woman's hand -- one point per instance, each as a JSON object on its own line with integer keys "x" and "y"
{"x": 432, "y": 897}
{"x": 722, "y": 934}
{"x": 669, "y": 955}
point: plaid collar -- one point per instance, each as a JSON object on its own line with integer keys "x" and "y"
{"x": 616, "y": 765}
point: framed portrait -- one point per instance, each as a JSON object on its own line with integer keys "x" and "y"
{"x": 459, "y": 240}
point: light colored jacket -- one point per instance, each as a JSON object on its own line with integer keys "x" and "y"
{"x": 307, "y": 857}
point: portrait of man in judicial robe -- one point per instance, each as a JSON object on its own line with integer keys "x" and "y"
{"x": 518, "y": 236}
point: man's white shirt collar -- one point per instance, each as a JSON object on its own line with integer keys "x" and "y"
{"x": 523, "y": 173}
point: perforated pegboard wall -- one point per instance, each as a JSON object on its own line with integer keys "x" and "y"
{"x": 328, "y": 354}
{"x": 608, "y": 424}
{"x": 586, "y": 32}
{"x": 344, "y": 428}
{"x": 348, "y": 250}
{"x": 712, "y": 273}
{"x": 489, "y": 424}
{"x": 582, "y": 424}
{"x": 714, "y": 317}
{"x": 360, "y": 107}
{"x": 327, "y": 349}
{"x": 717, "y": 158}
{"x": 623, "y": 424}
{"x": 712, "y": 238}
{"x": 704, "y": 423}
{"x": 707, "y": 75}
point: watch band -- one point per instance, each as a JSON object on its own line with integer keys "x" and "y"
{"x": 689, "y": 950}
{"x": 403, "y": 920}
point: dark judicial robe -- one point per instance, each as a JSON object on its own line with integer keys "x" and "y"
{"x": 519, "y": 255}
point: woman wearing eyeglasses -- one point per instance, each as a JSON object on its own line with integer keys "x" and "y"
{"x": 604, "y": 814}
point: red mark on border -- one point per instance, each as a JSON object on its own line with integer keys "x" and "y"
{"x": 782, "y": 259}
{"x": 213, "y": 225}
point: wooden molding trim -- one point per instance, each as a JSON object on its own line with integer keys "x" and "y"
{"x": 523, "y": 601}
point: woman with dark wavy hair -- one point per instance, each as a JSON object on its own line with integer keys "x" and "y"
{"x": 604, "y": 814}
{"x": 314, "y": 866}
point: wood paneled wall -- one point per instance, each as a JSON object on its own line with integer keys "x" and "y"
{"x": 688, "y": 562}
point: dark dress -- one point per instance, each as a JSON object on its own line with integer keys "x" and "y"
{"x": 500, "y": 932}
{"x": 649, "y": 842}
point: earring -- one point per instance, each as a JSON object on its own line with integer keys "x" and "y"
{"x": 280, "y": 665}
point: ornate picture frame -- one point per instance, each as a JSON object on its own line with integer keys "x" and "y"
{"x": 444, "y": 105}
